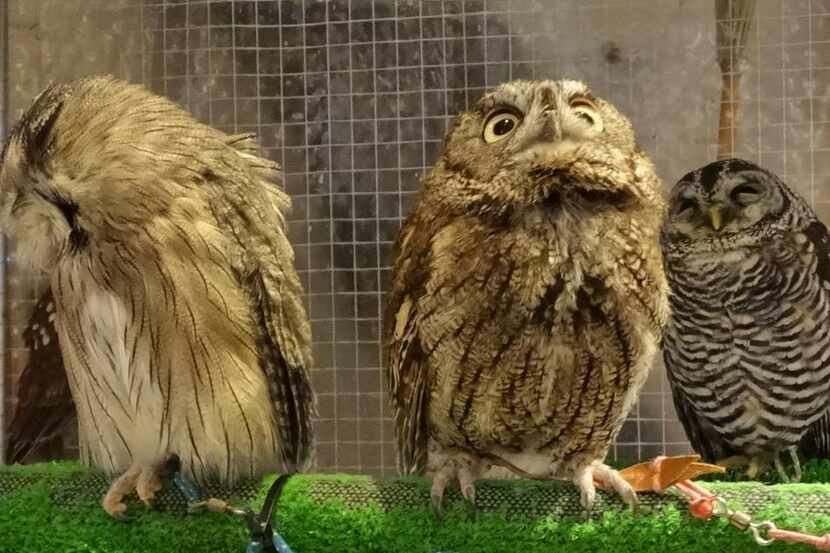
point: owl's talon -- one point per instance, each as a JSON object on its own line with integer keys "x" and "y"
{"x": 793, "y": 450}
{"x": 447, "y": 466}
{"x": 435, "y": 500}
{"x": 779, "y": 466}
{"x": 586, "y": 499}
{"x": 584, "y": 480}
{"x": 757, "y": 466}
{"x": 733, "y": 462}
{"x": 116, "y": 510}
{"x": 466, "y": 481}
{"x": 752, "y": 466}
{"x": 145, "y": 480}
{"x": 148, "y": 484}
{"x": 113, "y": 502}
{"x": 469, "y": 493}
{"x": 436, "y": 494}
{"x": 587, "y": 477}
{"x": 612, "y": 478}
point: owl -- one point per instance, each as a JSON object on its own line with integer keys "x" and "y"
{"x": 177, "y": 308}
{"x": 747, "y": 348}
{"x": 528, "y": 295}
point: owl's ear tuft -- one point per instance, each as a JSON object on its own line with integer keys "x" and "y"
{"x": 38, "y": 123}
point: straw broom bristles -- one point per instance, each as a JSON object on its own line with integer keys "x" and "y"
{"x": 734, "y": 20}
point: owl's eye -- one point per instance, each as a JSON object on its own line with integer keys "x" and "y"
{"x": 745, "y": 194}
{"x": 685, "y": 206}
{"x": 499, "y": 126}
{"x": 586, "y": 111}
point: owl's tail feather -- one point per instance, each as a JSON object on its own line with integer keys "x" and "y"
{"x": 297, "y": 412}
{"x": 289, "y": 385}
{"x": 815, "y": 444}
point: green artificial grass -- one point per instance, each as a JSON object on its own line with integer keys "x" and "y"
{"x": 311, "y": 523}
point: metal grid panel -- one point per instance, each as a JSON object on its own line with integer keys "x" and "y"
{"x": 353, "y": 98}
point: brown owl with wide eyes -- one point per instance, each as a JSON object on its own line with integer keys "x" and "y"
{"x": 528, "y": 295}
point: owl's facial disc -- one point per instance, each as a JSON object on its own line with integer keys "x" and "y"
{"x": 736, "y": 202}
{"x": 540, "y": 144}
{"x": 35, "y": 209}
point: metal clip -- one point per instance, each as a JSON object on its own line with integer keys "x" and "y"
{"x": 721, "y": 509}
{"x": 760, "y": 531}
{"x": 740, "y": 520}
{"x": 263, "y": 537}
{"x": 213, "y": 505}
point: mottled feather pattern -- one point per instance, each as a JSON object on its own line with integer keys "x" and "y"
{"x": 44, "y": 403}
{"x": 528, "y": 296}
{"x": 180, "y": 314}
{"x": 531, "y": 305}
{"x": 747, "y": 348}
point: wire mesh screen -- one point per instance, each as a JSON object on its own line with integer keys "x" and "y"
{"x": 354, "y": 98}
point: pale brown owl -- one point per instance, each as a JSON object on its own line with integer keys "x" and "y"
{"x": 528, "y": 294}
{"x": 177, "y": 307}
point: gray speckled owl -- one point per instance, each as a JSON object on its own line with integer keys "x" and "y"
{"x": 748, "y": 346}
{"x": 528, "y": 295}
{"x": 177, "y": 307}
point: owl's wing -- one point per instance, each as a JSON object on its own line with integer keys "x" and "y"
{"x": 817, "y": 234}
{"x": 44, "y": 401}
{"x": 252, "y": 213}
{"x": 407, "y": 371}
{"x": 704, "y": 439}
{"x": 816, "y": 442}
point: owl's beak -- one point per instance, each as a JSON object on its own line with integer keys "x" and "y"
{"x": 551, "y": 129}
{"x": 715, "y": 218}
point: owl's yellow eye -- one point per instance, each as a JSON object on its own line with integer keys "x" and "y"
{"x": 500, "y": 125}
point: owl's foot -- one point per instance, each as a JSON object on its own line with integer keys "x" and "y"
{"x": 585, "y": 478}
{"x": 113, "y": 502}
{"x": 455, "y": 466}
{"x": 144, "y": 479}
{"x": 757, "y": 466}
{"x": 733, "y": 462}
{"x": 779, "y": 466}
{"x": 149, "y": 482}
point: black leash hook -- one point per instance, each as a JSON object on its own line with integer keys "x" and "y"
{"x": 263, "y": 537}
